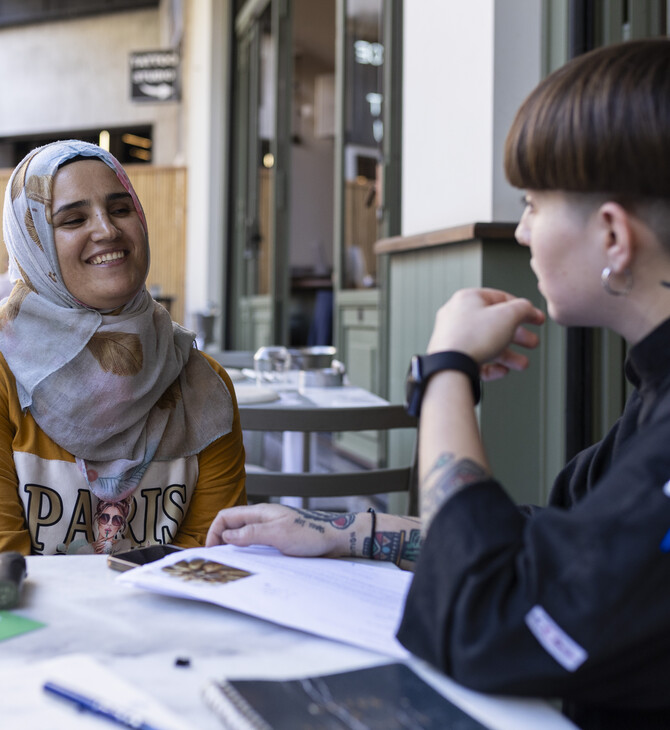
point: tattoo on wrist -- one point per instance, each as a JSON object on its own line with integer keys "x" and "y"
{"x": 447, "y": 477}
{"x": 394, "y": 546}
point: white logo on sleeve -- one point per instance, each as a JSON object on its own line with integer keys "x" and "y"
{"x": 565, "y": 650}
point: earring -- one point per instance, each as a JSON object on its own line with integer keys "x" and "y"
{"x": 605, "y": 279}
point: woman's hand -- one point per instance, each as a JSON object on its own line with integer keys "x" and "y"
{"x": 483, "y": 323}
{"x": 292, "y": 531}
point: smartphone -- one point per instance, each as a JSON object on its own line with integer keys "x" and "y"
{"x": 140, "y": 556}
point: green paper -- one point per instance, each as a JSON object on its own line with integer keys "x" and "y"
{"x": 13, "y": 625}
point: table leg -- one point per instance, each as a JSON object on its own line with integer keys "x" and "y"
{"x": 296, "y": 457}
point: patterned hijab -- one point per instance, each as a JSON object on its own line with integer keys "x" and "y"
{"x": 116, "y": 391}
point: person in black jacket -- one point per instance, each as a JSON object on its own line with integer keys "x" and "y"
{"x": 572, "y": 600}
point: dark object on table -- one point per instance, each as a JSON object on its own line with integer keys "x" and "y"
{"x": 387, "y": 697}
{"x": 12, "y": 572}
{"x": 139, "y": 556}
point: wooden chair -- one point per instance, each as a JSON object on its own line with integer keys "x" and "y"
{"x": 376, "y": 480}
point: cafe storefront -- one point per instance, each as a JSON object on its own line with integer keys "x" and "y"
{"x": 315, "y": 157}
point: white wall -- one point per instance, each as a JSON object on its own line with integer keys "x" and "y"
{"x": 206, "y": 100}
{"x": 447, "y": 103}
{"x": 467, "y": 66}
{"x": 74, "y": 74}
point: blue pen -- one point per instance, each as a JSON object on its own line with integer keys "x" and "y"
{"x": 90, "y": 705}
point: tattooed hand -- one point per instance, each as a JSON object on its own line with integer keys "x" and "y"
{"x": 309, "y": 533}
{"x": 291, "y": 530}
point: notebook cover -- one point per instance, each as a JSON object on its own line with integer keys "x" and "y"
{"x": 378, "y": 698}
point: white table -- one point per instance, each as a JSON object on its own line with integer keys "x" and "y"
{"x": 139, "y": 635}
{"x": 298, "y": 447}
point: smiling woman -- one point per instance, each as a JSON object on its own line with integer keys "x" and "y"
{"x": 102, "y": 396}
{"x": 101, "y": 241}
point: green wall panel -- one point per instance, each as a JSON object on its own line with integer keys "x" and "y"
{"x": 520, "y": 416}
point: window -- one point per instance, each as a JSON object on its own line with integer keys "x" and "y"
{"x": 129, "y": 144}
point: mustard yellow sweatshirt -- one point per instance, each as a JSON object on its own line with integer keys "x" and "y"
{"x": 46, "y": 507}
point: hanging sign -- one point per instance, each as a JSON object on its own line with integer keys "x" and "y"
{"x": 154, "y": 75}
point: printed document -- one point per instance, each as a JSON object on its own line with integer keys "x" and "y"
{"x": 354, "y": 602}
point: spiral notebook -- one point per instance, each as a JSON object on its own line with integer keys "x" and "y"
{"x": 386, "y": 697}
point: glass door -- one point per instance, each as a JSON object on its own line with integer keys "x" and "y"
{"x": 362, "y": 141}
{"x": 259, "y": 290}
{"x": 369, "y": 76}
{"x": 369, "y": 73}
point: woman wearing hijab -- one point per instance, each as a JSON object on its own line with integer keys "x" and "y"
{"x": 102, "y": 396}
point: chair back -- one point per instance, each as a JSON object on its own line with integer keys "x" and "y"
{"x": 233, "y": 358}
{"x": 366, "y": 481}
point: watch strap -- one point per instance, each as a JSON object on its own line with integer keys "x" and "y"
{"x": 448, "y": 360}
{"x": 452, "y": 360}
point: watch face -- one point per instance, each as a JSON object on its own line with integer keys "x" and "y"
{"x": 415, "y": 368}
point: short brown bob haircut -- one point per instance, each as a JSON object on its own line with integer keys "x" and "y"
{"x": 599, "y": 124}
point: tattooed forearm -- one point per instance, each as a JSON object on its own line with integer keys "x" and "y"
{"x": 447, "y": 476}
{"x": 441, "y": 461}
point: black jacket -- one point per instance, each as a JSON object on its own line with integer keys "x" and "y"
{"x": 569, "y": 601}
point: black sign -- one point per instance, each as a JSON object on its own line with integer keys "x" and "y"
{"x": 154, "y": 76}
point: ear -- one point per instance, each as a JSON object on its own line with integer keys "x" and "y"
{"x": 618, "y": 236}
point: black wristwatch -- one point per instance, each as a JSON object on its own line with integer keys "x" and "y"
{"x": 421, "y": 367}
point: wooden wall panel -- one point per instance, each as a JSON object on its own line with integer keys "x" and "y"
{"x": 361, "y": 228}
{"x": 518, "y": 436}
{"x": 162, "y": 192}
